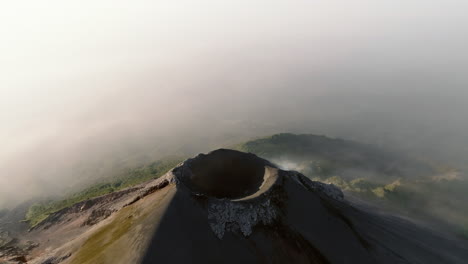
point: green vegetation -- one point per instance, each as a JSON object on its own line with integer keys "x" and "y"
{"x": 109, "y": 243}
{"x": 379, "y": 192}
{"x": 414, "y": 187}
{"x": 464, "y": 231}
{"x": 395, "y": 182}
{"x": 38, "y": 212}
{"x": 325, "y": 157}
{"x": 91, "y": 251}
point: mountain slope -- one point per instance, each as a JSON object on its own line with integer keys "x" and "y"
{"x": 414, "y": 187}
{"x": 324, "y": 156}
{"x": 264, "y": 215}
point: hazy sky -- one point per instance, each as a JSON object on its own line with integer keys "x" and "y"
{"x": 83, "y": 80}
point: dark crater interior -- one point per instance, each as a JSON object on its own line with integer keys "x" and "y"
{"x": 226, "y": 174}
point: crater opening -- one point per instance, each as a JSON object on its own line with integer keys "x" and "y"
{"x": 227, "y": 174}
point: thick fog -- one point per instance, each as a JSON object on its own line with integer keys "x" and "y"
{"x": 87, "y": 87}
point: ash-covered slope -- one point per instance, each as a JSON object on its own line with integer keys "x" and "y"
{"x": 233, "y": 207}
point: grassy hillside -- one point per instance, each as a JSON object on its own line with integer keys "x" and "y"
{"x": 41, "y": 210}
{"x": 324, "y": 156}
{"x": 413, "y": 187}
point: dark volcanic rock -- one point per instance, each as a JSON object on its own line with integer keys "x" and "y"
{"x": 234, "y": 207}
{"x": 98, "y": 215}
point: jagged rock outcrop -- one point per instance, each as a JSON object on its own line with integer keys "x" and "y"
{"x": 240, "y": 190}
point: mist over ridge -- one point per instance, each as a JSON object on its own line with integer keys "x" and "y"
{"x": 137, "y": 82}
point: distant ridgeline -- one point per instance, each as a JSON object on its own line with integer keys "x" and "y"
{"x": 324, "y": 157}
{"x": 407, "y": 185}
